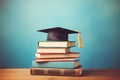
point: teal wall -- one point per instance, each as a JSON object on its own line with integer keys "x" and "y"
{"x": 98, "y": 20}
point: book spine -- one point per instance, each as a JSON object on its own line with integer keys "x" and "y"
{"x": 56, "y": 72}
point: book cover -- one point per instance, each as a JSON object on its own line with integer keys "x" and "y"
{"x": 57, "y": 72}
{"x": 58, "y": 55}
{"x": 69, "y": 64}
{"x": 56, "y": 43}
{"x": 53, "y": 50}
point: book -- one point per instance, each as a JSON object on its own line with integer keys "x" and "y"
{"x": 69, "y": 64}
{"x": 58, "y": 55}
{"x": 56, "y": 43}
{"x": 57, "y": 72}
{"x": 56, "y": 60}
{"x": 53, "y": 50}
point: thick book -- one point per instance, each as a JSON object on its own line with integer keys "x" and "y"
{"x": 52, "y": 50}
{"x": 56, "y": 59}
{"x": 58, "y": 55}
{"x": 69, "y": 64}
{"x": 56, "y": 43}
{"x": 56, "y": 71}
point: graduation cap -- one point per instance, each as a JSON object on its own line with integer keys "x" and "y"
{"x": 60, "y": 34}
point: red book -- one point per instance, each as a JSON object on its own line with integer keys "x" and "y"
{"x": 58, "y": 55}
{"x": 56, "y": 59}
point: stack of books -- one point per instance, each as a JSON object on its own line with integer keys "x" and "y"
{"x": 56, "y": 58}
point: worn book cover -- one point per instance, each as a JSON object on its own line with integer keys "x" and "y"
{"x": 57, "y": 71}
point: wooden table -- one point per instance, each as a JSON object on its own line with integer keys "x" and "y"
{"x": 88, "y": 74}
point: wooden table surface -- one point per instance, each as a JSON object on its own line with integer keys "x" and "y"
{"x": 88, "y": 74}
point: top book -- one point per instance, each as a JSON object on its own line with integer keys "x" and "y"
{"x": 56, "y": 43}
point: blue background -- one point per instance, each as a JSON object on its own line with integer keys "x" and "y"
{"x": 98, "y": 20}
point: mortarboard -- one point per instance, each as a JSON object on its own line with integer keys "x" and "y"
{"x": 60, "y": 34}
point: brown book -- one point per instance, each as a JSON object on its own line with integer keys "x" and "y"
{"x": 56, "y": 71}
{"x": 58, "y": 55}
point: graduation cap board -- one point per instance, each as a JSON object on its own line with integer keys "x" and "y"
{"x": 60, "y": 34}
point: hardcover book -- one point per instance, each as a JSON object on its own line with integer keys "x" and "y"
{"x": 56, "y": 60}
{"x": 69, "y": 64}
{"x": 53, "y": 50}
{"x": 56, "y": 43}
{"x": 56, "y": 71}
{"x": 58, "y": 55}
